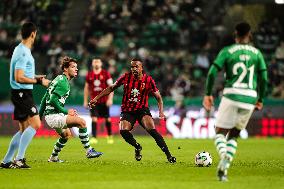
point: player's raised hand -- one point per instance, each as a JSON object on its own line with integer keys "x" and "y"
{"x": 92, "y": 103}
{"x": 45, "y": 82}
{"x": 208, "y": 102}
{"x": 72, "y": 112}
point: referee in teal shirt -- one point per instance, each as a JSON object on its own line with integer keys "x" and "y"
{"x": 22, "y": 79}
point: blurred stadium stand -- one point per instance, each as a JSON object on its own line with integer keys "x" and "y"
{"x": 177, "y": 39}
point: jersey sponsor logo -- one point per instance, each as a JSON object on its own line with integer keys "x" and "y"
{"x": 48, "y": 107}
{"x": 63, "y": 98}
{"x": 98, "y": 89}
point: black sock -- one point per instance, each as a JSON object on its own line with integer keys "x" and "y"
{"x": 94, "y": 129}
{"x": 160, "y": 141}
{"x": 128, "y": 137}
{"x": 108, "y": 127}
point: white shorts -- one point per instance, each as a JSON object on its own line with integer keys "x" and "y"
{"x": 56, "y": 121}
{"x": 233, "y": 114}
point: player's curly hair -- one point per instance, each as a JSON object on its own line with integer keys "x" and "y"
{"x": 65, "y": 62}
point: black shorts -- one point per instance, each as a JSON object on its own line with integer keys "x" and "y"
{"x": 134, "y": 116}
{"x": 23, "y": 103}
{"x": 100, "y": 110}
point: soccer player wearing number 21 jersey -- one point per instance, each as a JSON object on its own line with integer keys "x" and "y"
{"x": 245, "y": 85}
{"x": 137, "y": 86}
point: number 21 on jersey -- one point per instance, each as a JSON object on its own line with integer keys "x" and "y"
{"x": 241, "y": 81}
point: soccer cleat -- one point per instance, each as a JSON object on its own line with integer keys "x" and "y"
{"x": 222, "y": 176}
{"x": 21, "y": 164}
{"x": 55, "y": 159}
{"x": 9, "y": 165}
{"x": 222, "y": 170}
{"x": 172, "y": 159}
{"x": 138, "y": 155}
{"x": 92, "y": 153}
{"x": 94, "y": 141}
{"x": 110, "y": 140}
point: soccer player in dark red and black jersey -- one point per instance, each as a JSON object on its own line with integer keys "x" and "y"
{"x": 96, "y": 81}
{"x": 137, "y": 87}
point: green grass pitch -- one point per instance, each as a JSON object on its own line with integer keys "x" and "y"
{"x": 259, "y": 163}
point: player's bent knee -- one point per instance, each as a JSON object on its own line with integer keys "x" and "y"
{"x": 83, "y": 123}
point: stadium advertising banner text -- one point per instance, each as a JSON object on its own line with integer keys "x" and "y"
{"x": 192, "y": 123}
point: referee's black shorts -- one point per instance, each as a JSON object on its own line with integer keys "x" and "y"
{"x": 23, "y": 103}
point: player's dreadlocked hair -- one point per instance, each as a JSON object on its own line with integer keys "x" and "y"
{"x": 65, "y": 62}
{"x": 242, "y": 29}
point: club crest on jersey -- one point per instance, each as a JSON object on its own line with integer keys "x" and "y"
{"x": 97, "y": 82}
{"x": 135, "y": 92}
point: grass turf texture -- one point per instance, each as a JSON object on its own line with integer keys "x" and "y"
{"x": 259, "y": 163}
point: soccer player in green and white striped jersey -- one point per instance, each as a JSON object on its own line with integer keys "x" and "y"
{"x": 60, "y": 119}
{"x": 245, "y": 85}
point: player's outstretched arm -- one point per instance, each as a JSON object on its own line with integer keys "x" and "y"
{"x": 105, "y": 92}
{"x": 39, "y": 79}
{"x": 159, "y": 99}
{"x": 21, "y": 78}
